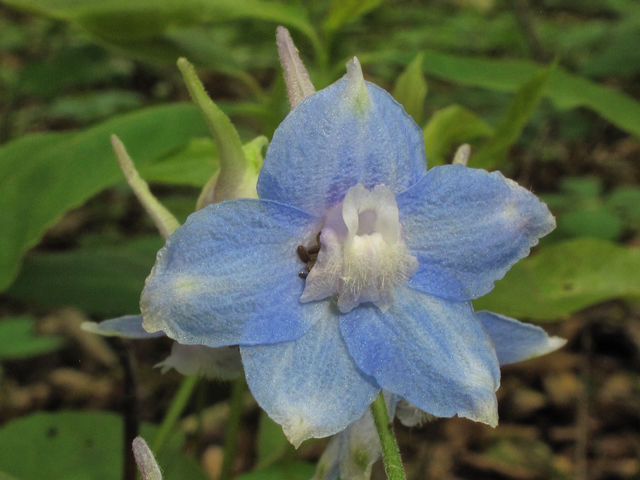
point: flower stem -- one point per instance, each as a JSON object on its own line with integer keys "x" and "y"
{"x": 175, "y": 410}
{"x": 390, "y": 453}
{"x": 233, "y": 428}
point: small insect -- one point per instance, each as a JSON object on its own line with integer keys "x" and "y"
{"x": 309, "y": 256}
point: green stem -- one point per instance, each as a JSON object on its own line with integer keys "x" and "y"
{"x": 175, "y": 411}
{"x": 233, "y": 428}
{"x": 390, "y": 453}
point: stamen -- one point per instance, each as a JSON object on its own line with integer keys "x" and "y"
{"x": 303, "y": 253}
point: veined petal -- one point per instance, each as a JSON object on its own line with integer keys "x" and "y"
{"x": 515, "y": 341}
{"x": 430, "y": 351}
{"x": 350, "y": 132}
{"x": 229, "y": 276}
{"x": 129, "y": 326}
{"x": 310, "y": 386}
{"x": 467, "y": 227}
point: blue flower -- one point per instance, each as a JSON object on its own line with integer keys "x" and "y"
{"x": 386, "y": 300}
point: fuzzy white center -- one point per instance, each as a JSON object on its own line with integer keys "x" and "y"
{"x": 362, "y": 257}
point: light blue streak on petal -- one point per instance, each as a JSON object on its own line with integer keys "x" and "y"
{"x": 467, "y": 227}
{"x": 430, "y": 351}
{"x": 336, "y": 138}
{"x": 229, "y": 276}
{"x": 129, "y": 326}
{"x": 310, "y": 386}
{"x": 515, "y": 341}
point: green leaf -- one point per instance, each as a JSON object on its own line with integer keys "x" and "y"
{"x": 287, "y": 471}
{"x": 565, "y": 278}
{"x": 411, "y": 89}
{"x": 493, "y": 153}
{"x": 145, "y": 22}
{"x": 565, "y": 90}
{"x": 450, "y": 127}
{"x": 342, "y": 12}
{"x": 18, "y": 339}
{"x": 104, "y": 281}
{"x": 43, "y": 176}
{"x": 80, "y": 446}
{"x": 192, "y": 165}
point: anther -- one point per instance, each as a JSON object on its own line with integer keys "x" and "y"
{"x": 313, "y": 250}
{"x": 303, "y": 253}
{"x": 311, "y": 264}
{"x": 303, "y": 274}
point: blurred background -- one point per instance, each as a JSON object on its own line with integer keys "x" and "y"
{"x": 546, "y": 91}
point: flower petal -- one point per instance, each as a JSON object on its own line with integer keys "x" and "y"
{"x": 129, "y": 326}
{"x": 430, "y": 351}
{"x": 350, "y": 132}
{"x": 351, "y": 453}
{"x": 467, "y": 227}
{"x": 221, "y": 363}
{"x": 515, "y": 341}
{"x": 310, "y": 386}
{"x": 229, "y": 276}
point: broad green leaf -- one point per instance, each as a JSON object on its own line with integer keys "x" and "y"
{"x": 342, "y": 12}
{"x": 450, "y": 127}
{"x": 103, "y": 281}
{"x": 286, "y": 471}
{"x": 192, "y": 165}
{"x": 565, "y": 278}
{"x": 43, "y": 176}
{"x": 80, "y": 446}
{"x": 411, "y": 89}
{"x": 493, "y": 153}
{"x": 18, "y": 339}
{"x": 565, "y": 90}
{"x": 126, "y": 23}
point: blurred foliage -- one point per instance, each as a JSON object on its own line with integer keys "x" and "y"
{"x": 80, "y": 446}
{"x": 18, "y": 339}
{"x": 530, "y": 94}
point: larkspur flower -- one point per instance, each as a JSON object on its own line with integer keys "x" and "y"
{"x": 386, "y": 302}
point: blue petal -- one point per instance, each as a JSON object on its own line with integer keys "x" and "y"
{"x": 351, "y": 132}
{"x": 229, "y": 276}
{"x": 129, "y": 326}
{"x": 467, "y": 227}
{"x": 432, "y": 352}
{"x": 515, "y": 341}
{"x": 310, "y": 386}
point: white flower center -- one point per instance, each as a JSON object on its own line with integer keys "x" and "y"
{"x": 362, "y": 257}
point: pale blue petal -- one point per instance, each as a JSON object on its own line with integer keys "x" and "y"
{"x": 129, "y": 326}
{"x": 467, "y": 227}
{"x": 328, "y": 467}
{"x": 515, "y": 341}
{"x": 229, "y": 276}
{"x": 432, "y": 352}
{"x": 351, "y": 453}
{"x": 221, "y": 363}
{"x": 346, "y": 134}
{"x": 310, "y": 386}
